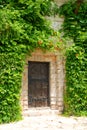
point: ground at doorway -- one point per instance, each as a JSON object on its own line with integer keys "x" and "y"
{"x": 51, "y": 122}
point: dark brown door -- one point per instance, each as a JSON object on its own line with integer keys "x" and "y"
{"x": 38, "y": 84}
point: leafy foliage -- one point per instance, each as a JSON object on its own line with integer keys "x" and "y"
{"x": 11, "y": 65}
{"x": 75, "y": 27}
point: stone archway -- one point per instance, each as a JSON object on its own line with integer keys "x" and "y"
{"x": 56, "y": 78}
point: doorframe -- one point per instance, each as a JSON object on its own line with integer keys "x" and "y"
{"x": 56, "y": 78}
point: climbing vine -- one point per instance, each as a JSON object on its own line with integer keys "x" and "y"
{"x": 75, "y": 28}
{"x": 23, "y": 28}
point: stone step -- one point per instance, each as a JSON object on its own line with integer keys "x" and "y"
{"x": 40, "y": 112}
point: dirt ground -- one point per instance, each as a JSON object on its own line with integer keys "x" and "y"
{"x": 51, "y": 122}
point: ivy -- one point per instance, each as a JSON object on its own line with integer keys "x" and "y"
{"x": 11, "y": 65}
{"x": 24, "y": 28}
{"x": 75, "y": 28}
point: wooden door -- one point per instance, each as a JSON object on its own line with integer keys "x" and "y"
{"x": 38, "y": 84}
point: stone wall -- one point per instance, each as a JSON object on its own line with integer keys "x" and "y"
{"x": 60, "y": 2}
{"x": 56, "y": 78}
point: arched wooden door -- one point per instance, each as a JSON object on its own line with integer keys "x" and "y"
{"x": 38, "y": 84}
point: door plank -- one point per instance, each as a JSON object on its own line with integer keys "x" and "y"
{"x": 38, "y": 84}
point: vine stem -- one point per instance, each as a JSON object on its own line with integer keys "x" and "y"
{"x": 78, "y": 3}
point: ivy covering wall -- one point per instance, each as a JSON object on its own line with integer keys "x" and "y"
{"x": 75, "y": 28}
{"x": 23, "y": 28}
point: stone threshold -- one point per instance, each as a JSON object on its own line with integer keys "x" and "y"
{"x": 40, "y": 111}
